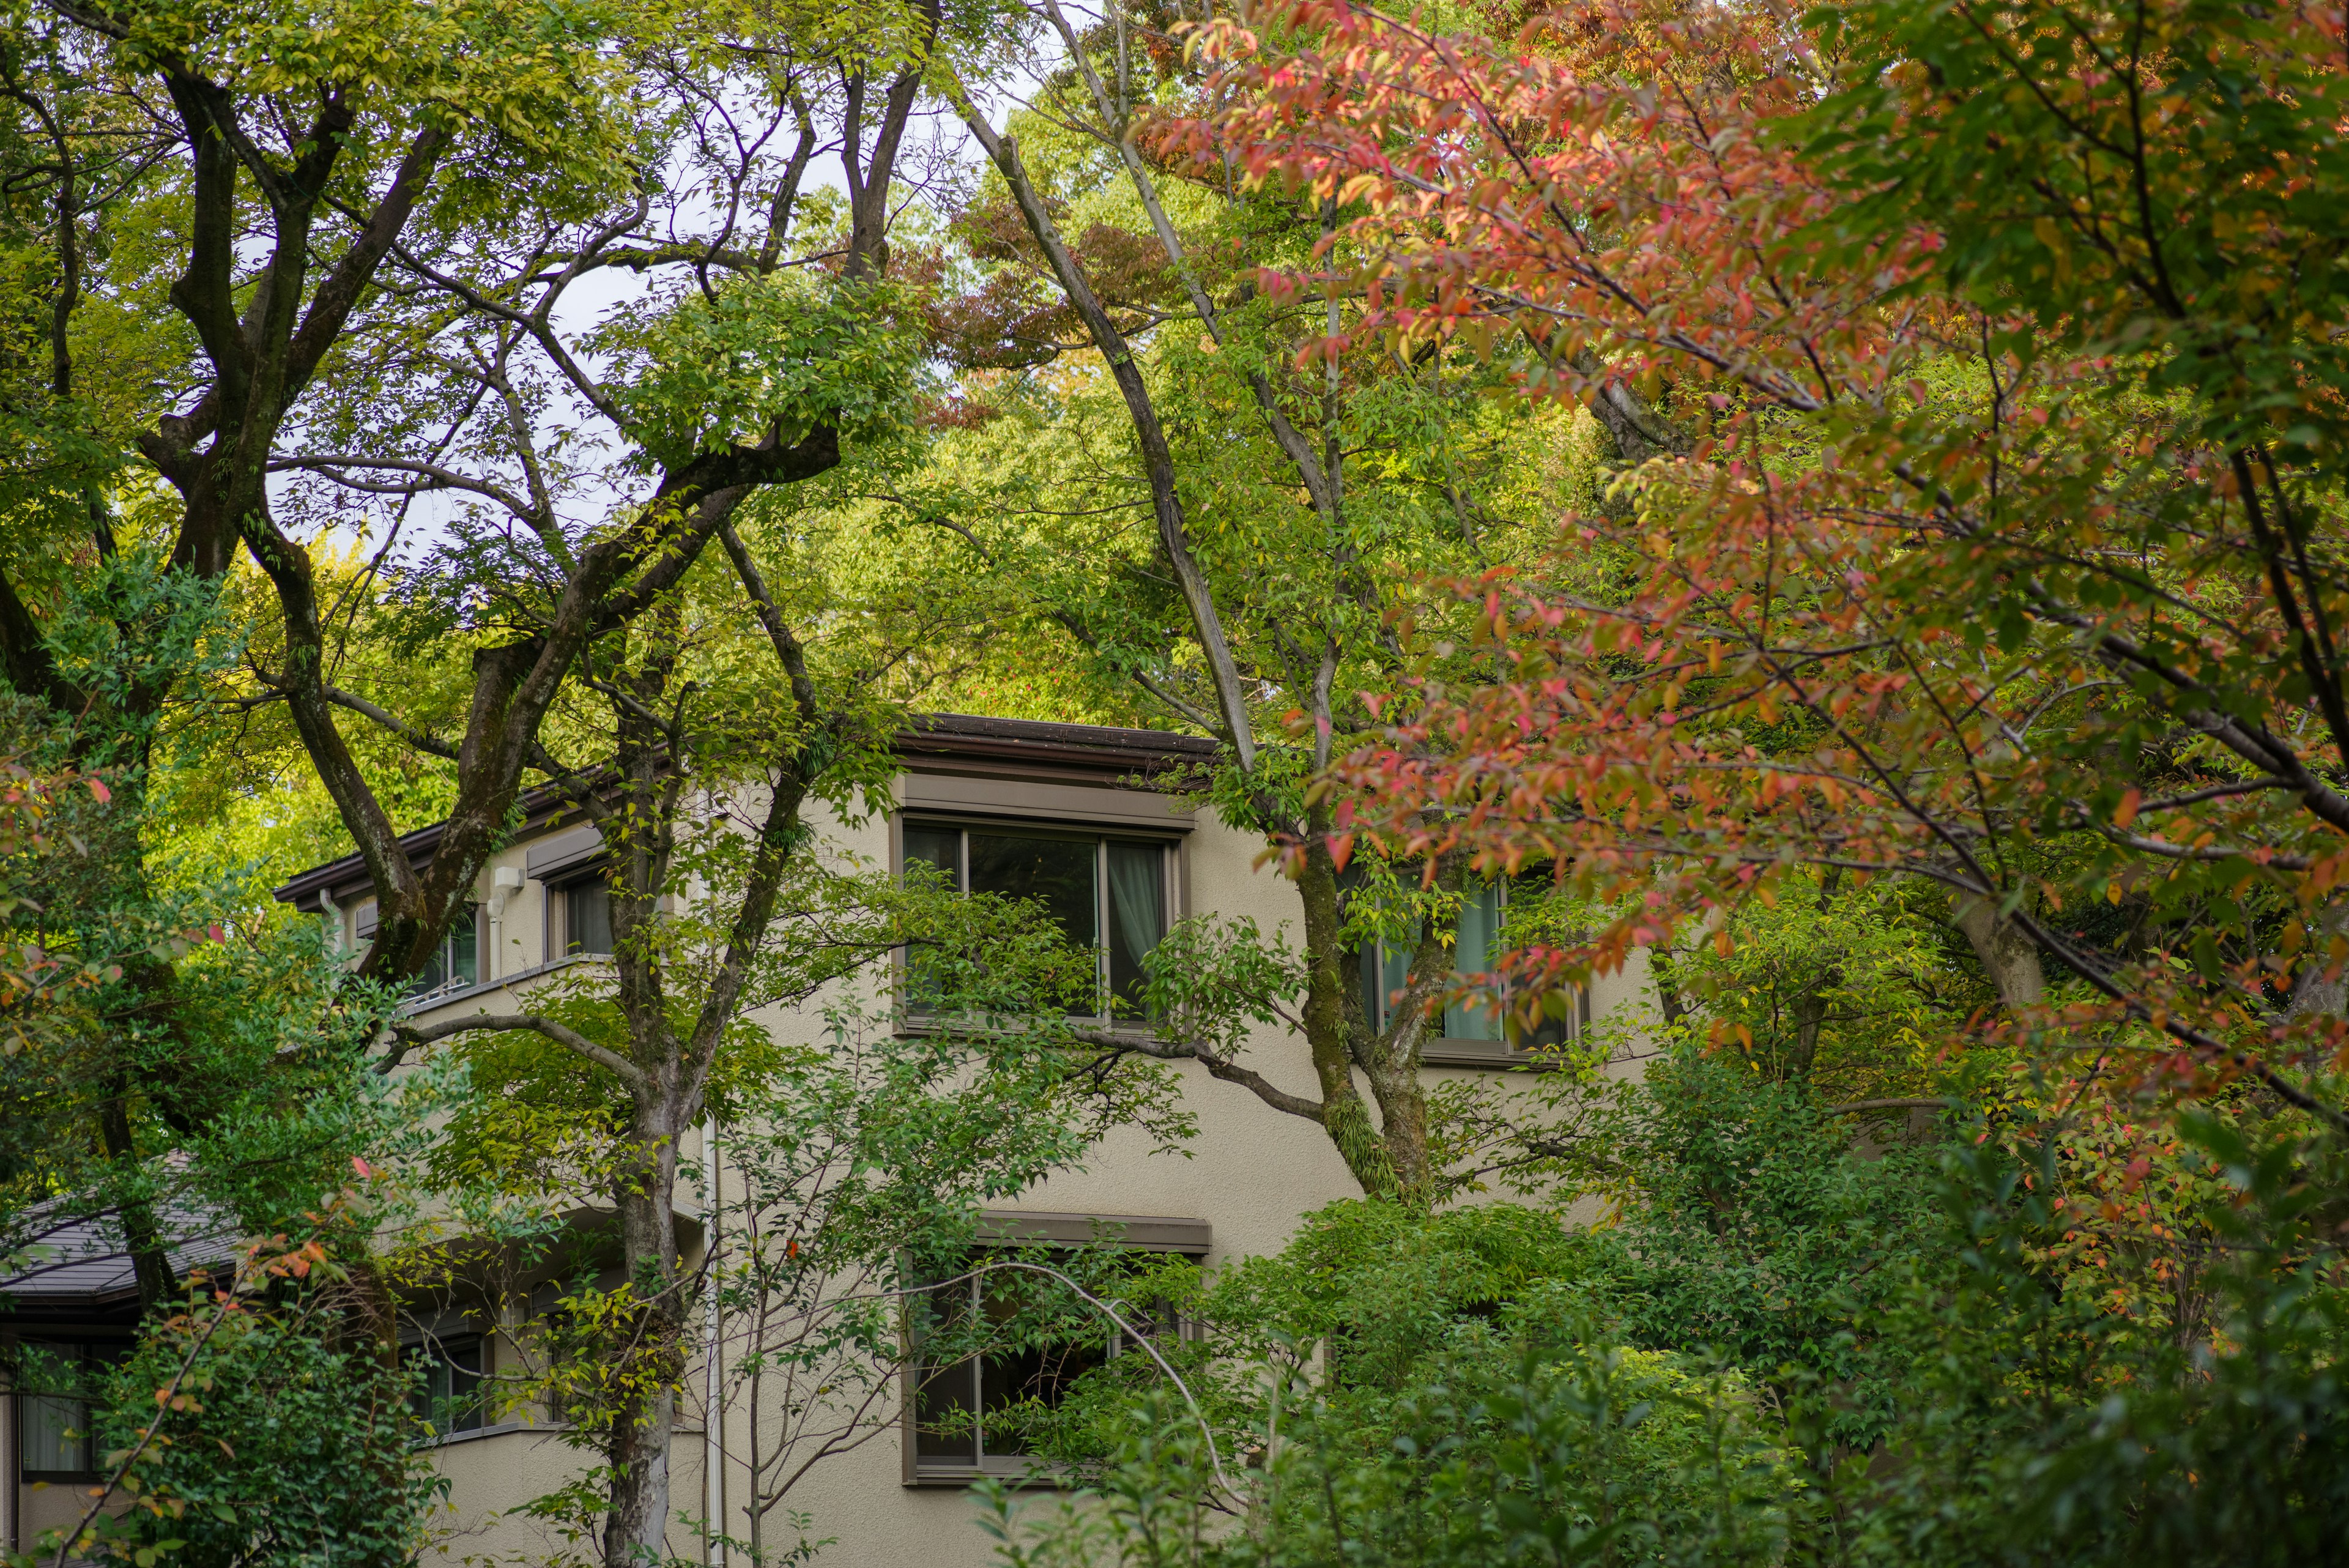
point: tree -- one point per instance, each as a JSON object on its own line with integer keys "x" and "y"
{"x": 282, "y": 1435}
{"x": 744, "y": 364}
{"x": 406, "y": 140}
{"x": 862, "y": 1164}
{"x": 1409, "y": 1387}
{"x": 1289, "y": 511}
{"x": 1997, "y": 553}
{"x": 724, "y": 906}
{"x": 292, "y": 1433}
{"x": 149, "y": 142}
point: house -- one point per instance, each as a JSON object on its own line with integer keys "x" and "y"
{"x": 73, "y": 1295}
{"x": 998, "y": 806}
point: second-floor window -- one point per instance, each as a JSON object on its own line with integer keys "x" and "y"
{"x": 1386, "y": 968}
{"x": 1106, "y": 892}
{"x": 456, "y": 963}
{"x": 587, "y": 915}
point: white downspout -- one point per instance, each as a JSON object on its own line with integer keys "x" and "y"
{"x": 713, "y": 1418}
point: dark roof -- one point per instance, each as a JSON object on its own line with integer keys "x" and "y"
{"x": 1097, "y": 753}
{"x": 1093, "y": 749}
{"x": 542, "y": 807}
{"x": 74, "y": 1268}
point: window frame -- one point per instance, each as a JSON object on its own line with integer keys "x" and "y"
{"x": 1443, "y": 1050}
{"x": 1171, "y": 845}
{"x": 438, "y": 1351}
{"x": 22, "y": 1402}
{"x": 1049, "y": 1233}
{"x": 555, "y": 908}
{"x": 365, "y": 924}
{"x": 449, "y": 985}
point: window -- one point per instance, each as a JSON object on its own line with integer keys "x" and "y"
{"x": 456, "y": 963}
{"x": 1470, "y": 1035}
{"x": 587, "y": 916}
{"x": 448, "y": 1397}
{"x": 1109, "y": 894}
{"x": 953, "y": 1439}
{"x": 56, "y": 1385}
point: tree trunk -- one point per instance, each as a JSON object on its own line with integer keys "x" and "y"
{"x": 2006, "y": 950}
{"x": 637, "y": 1533}
{"x": 1390, "y": 1159}
{"x": 1333, "y": 1020}
{"x": 1390, "y": 1058}
{"x": 1810, "y": 1011}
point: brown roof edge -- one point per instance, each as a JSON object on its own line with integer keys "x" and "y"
{"x": 542, "y": 808}
{"x": 1094, "y": 750}
{"x": 1088, "y": 748}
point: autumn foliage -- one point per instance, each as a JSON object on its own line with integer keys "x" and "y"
{"x": 1977, "y": 373}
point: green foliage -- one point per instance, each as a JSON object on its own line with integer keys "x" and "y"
{"x": 1420, "y": 1389}
{"x": 773, "y": 356}
{"x": 2045, "y": 1425}
{"x": 1745, "y": 1225}
{"x": 291, "y": 1439}
{"x": 1778, "y": 1346}
{"x": 861, "y": 1170}
{"x": 1853, "y": 989}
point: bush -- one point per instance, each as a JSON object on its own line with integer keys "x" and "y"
{"x": 290, "y": 1440}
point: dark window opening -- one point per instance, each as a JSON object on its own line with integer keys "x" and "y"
{"x": 1107, "y": 894}
{"x": 449, "y": 1395}
{"x": 953, "y": 1402}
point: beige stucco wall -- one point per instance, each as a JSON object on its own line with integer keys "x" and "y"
{"x": 1251, "y": 1173}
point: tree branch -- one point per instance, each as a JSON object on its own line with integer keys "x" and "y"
{"x": 410, "y": 1035}
{"x": 1222, "y": 1067}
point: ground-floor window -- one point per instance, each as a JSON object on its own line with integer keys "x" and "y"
{"x": 960, "y": 1408}
{"x": 58, "y": 1385}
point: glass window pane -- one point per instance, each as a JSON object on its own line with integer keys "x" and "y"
{"x": 465, "y": 1370}
{"x": 1477, "y": 945}
{"x": 947, "y": 1397}
{"x": 457, "y": 961}
{"x": 448, "y": 1397}
{"x": 54, "y": 1443}
{"x": 1057, "y": 872}
{"x": 1038, "y": 1372}
{"x": 589, "y": 917}
{"x": 939, "y": 847}
{"x": 1394, "y": 973}
{"x": 931, "y": 845}
{"x": 1526, "y": 892}
{"x": 1137, "y": 917}
{"x": 53, "y": 1419}
{"x": 435, "y": 971}
{"x": 1552, "y": 1032}
{"x": 465, "y": 949}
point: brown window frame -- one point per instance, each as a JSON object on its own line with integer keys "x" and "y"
{"x": 1462, "y": 1050}
{"x": 1100, "y": 835}
{"x": 1049, "y": 1232}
